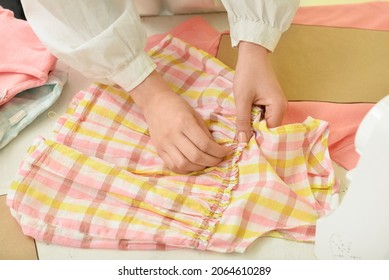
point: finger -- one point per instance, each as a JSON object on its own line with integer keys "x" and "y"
{"x": 166, "y": 160}
{"x": 274, "y": 115}
{"x": 181, "y": 164}
{"x": 196, "y": 134}
{"x": 243, "y": 120}
{"x": 195, "y": 155}
{"x": 203, "y": 126}
{"x": 200, "y": 121}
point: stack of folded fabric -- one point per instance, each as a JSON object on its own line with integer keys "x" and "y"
{"x": 28, "y": 84}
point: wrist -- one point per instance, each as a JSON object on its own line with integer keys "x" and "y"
{"x": 253, "y": 56}
{"x": 150, "y": 91}
{"x": 252, "y": 50}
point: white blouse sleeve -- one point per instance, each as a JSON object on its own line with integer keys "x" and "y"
{"x": 259, "y": 21}
{"x": 103, "y": 40}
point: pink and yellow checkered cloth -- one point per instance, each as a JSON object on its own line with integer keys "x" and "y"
{"x": 101, "y": 184}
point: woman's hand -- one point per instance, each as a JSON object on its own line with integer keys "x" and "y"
{"x": 255, "y": 83}
{"x": 178, "y": 132}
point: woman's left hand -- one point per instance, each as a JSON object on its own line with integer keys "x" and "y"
{"x": 256, "y": 84}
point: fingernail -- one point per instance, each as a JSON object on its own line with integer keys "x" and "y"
{"x": 231, "y": 150}
{"x": 242, "y": 137}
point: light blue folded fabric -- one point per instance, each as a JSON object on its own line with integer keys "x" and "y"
{"x": 21, "y": 110}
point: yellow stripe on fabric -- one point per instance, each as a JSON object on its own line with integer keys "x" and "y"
{"x": 199, "y": 52}
{"x": 163, "y": 193}
{"x": 309, "y": 125}
{"x": 320, "y": 188}
{"x": 106, "y": 169}
{"x": 85, "y": 102}
{"x": 105, "y": 112}
{"x": 316, "y": 160}
{"x": 32, "y": 148}
{"x": 275, "y": 206}
{"x": 71, "y": 110}
{"x": 305, "y": 192}
{"x": 237, "y": 231}
{"x": 169, "y": 58}
{"x": 157, "y": 211}
{"x": 113, "y": 116}
{"x": 288, "y": 163}
{"x": 81, "y": 209}
{"x": 255, "y": 168}
{"x": 74, "y": 126}
{"x": 209, "y": 92}
{"x": 178, "y": 63}
{"x": 117, "y": 91}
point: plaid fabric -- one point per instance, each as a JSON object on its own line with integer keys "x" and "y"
{"x": 101, "y": 184}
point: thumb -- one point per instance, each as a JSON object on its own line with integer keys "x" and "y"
{"x": 274, "y": 114}
{"x": 243, "y": 121}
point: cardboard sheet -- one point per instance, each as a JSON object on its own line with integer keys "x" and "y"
{"x": 327, "y": 64}
{"x": 14, "y": 245}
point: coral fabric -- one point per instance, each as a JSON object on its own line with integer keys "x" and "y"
{"x": 372, "y": 15}
{"x": 101, "y": 184}
{"x": 196, "y": 31}
{"x": 24, "y": 61}
{"x": 343, "y": 120}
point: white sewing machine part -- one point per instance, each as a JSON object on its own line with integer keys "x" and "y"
{"x": 359, "y": 228}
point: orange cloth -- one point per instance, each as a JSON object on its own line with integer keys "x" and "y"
{"x": 372, "y": 16}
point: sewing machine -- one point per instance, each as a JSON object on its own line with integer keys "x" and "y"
{"x": 359, "y": 228}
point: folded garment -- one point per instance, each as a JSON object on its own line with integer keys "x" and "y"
{"x": 24, "y": 108}
{"x": 101, "y": 184}
{"x": 24, "y": 61}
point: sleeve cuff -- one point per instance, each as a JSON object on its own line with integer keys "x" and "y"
{"x": 135, "y": 72}
{"x": 255, "y": 32}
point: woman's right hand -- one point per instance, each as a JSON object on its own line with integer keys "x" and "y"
{"x": 177, "y": 131}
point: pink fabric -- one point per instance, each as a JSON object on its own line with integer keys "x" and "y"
{"x": 24, "y": 61}
{"x": 372, "y": 15}
{"x": 196, "y": 31}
